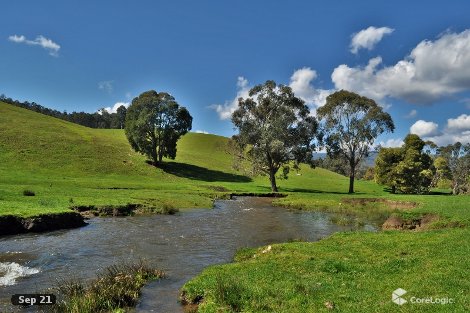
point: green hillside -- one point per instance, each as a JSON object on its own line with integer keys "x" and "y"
{"x": 67, "y": 164}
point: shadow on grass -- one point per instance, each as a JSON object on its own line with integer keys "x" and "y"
{"x": 201, "y": 173}
{"x": 303, "y": 190}
{"x": 431, "y": 193}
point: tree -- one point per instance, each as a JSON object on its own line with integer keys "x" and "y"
{"x": 385, "y": 164}
{"x": 457, "y": 156}
{"x": 407, "y": 169}
{"x": 154, "y": 123}
{"x": 275, "y": 130}
{"x": 443, "y": 171}
{"x": 415, "y": 171}
{"x": 121, "y": 116}
{"x": 351, "y": 124}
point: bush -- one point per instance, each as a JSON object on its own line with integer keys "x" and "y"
{"x": 28, "y": 193}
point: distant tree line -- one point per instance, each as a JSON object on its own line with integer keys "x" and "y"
{"x": 100, "y": 119}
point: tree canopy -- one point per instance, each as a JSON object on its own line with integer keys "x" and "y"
{"x": 407, "y": 169}
{"x": 351, "y": 123}
{"x": 275, "y": 130}
{"x": 154, "y": 123}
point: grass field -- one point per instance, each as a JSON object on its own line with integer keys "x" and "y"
{"x": 67, "y": 165}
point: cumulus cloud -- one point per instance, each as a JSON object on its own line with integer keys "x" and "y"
{"x": 368, "y": 38}
{"x": 433, "y": 70}
{"x": 106, "y": 85}
{"x": 457, "y": 129}
{"x": 40, "y": 40}
{"x": 450, "y": 138}
{"x": 392, "y": 143}
{"x": 461, "y": 123}
{"x": 412, "y": 114}
{"x": 301, "y": 83}
{"x": 116, "y": 106}
{"x": 424, "y": 129}
{"x": 201, "y": 132}
{"x": 225, "y": 110}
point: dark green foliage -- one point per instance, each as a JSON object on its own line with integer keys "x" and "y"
{"x": 407, "y": 169}
{"x": 154, "y": 123}
{"x": 350, "y": 124}
{"x": 385, "y": 165}
{"x": 28, "y": 193}
{"x": 121, "y": 113}
{"x": 275, "y": 129}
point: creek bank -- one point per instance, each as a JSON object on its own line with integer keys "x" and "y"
{"x": 12, "y": 225}
{"x": 423, "y": 222}
{"x": 257, "y": 194}
{"x": 129, "y": 209}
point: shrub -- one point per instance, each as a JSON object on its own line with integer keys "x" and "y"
{"x": 28, "y": 193}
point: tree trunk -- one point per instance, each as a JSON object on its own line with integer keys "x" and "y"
{"x": 272, "y": 179}
{"x": 394, "y": 189}
{"x": 272, "y": 173}
{"x": 154, "y": 153}
{"x": 351, "y": 176}
{"x": 351, "y": 183}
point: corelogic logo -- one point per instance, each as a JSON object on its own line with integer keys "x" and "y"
{"x": 397, "y": 296}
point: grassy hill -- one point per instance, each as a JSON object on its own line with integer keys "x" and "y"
{"x": 66, "y": 164}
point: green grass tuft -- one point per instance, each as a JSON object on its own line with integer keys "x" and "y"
{"x": 117, "y": 288}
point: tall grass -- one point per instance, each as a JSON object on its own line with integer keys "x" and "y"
{"x": 116, "y": 288}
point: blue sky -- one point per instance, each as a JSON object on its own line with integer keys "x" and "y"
{"x": 413, "y": 57}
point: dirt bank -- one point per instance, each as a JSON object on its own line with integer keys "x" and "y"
{"x": 12, "y": 225}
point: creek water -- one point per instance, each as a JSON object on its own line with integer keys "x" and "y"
{"x": 182, "y": 245}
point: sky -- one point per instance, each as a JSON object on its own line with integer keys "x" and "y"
{"x": 411, "y": 57}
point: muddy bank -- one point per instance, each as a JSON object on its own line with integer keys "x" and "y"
{"x": 12, "y": 225}
{"x": 415, "y": 223}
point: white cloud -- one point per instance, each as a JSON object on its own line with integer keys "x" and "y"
{"x": 412, "y": 114}
{"x": 106, "y": 85}
{"x": 40, "y": 40}
{"x": 301, "y": 84}
{"x": 392, "y": 143}
{"x": 368, "y": 38}
{"x": 225, "y": 110}
{"x": 450, "y": 138}
{"x": 201, "y": 132}
{"x": 424, "y": 129}
{"x": 433, "y": 70}
{"x": 17, "y": 39}
{"x": 116, "y": 106}
{"x": 461, "y": 123}
{"x": 457, "y": 129}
